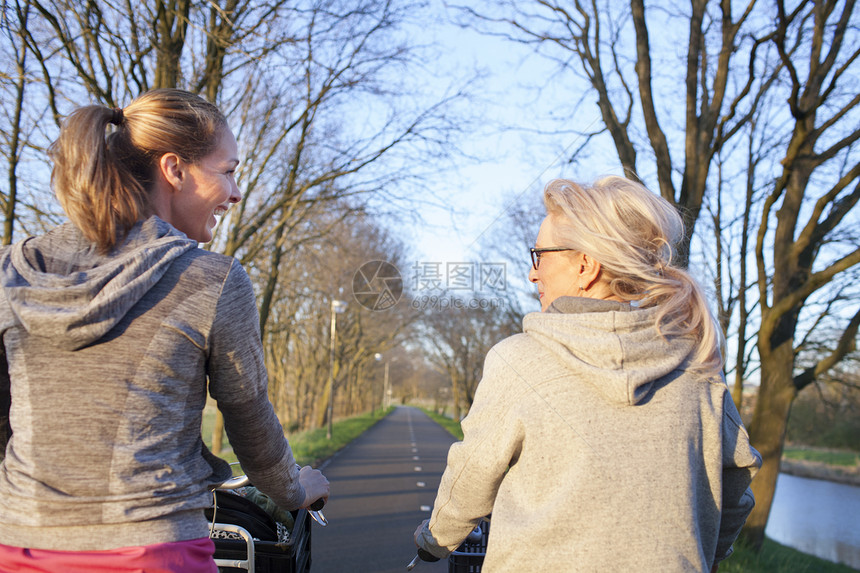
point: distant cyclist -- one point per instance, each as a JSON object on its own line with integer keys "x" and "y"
{"x": 603, "y": 438}
{"x": 114, "y": 327}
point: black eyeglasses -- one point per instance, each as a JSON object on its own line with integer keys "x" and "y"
{"x": 536, "y": 253}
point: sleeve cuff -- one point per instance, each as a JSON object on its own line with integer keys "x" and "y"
{"x": 428, "y": 543}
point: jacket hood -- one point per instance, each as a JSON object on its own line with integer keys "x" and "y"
{"x": 612, "y": 345}
{"x": 59, "y": 287}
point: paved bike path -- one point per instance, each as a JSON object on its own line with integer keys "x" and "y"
{"x": 382, "y": 486}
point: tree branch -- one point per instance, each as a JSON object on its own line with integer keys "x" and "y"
{"x": 847, "y": 344}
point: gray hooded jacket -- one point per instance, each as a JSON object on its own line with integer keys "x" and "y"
{"x": 106, "y": 361}
{"x": 596, "y": 449}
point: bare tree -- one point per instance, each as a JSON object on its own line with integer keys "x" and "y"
{"x": 14, "y": 29}
{"x": 303, "y": 153}
{"x": 507, "y": 241}
{"x": 731, "y": 222}
{"x": 721, "y": 85}
{"x": 22, "y": 137}
{"x": 298, "y": 343}
{"x": 460, "y": 332}
{"x": 802, "y": 244}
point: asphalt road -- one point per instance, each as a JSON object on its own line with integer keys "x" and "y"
{"x": 382, "y": 486}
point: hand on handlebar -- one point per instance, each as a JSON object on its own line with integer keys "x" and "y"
{"x": 316, "y": 488}
{"x": 418, "y": 530}
{"x": 423, "y": 554}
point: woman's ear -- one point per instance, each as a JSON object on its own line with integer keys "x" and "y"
{"x": 589, "y": 271}
{"x": 172, "y": 170}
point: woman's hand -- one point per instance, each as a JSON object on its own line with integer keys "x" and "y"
{"x": 417, "y": 534}
{"x": 315, "y": 484}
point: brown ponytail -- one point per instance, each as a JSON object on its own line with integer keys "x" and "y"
{"x": 102, "y": 176}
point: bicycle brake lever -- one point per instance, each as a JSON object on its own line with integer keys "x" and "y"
{"x": 318, "y": 517}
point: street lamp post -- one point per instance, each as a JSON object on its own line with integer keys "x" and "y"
{"x": 337, "y": 307}
{"x": 385, "y": 386}
{"x": 378, "y": 358}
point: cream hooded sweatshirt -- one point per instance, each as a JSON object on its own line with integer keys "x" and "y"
{"x": 595, "y": 449}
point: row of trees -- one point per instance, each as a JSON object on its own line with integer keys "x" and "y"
{"x": 298, "y": 343}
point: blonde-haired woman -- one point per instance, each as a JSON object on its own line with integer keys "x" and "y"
{"x": 604, "y": 437}
{"x": 114, "y": 327}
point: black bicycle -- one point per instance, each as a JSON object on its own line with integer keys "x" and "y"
{"x": 249, "y": 538}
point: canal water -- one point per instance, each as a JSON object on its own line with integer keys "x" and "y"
{"x": 817, "y": 517}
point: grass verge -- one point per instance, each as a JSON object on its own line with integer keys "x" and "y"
{"x": 310, "y": 447}
{"x": 453, "y": 426}
{"x": 777, "y": 558}
{"x": 845, "y": 458}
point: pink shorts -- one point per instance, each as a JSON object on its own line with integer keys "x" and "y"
{"x": 192, "y": 556}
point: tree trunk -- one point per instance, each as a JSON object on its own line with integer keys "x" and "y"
{"x": 218, "y": 433}
{"x": 271, "y": 287}
{"x": 14, "y": 140}
{"x": 171, "y": 26}
{"x": 455, "y": 392}
{"x": 324, "y": 399}
{"x": 219, "y": 37}
{"x": 767, "y": 432}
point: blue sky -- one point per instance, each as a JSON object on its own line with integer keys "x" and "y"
{"x": 518, "y": 89}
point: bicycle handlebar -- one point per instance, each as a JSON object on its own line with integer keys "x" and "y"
{"x": 234, "y": 482}
{"x": 423, "y": 555}
{"x": 243, "y": 480}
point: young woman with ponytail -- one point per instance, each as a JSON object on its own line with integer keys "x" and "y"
{"x": 114, "y": 327}
{"x": 603, "y": 438}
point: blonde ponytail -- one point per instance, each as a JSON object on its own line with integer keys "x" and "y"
{"x": 96, "y": 190}
{"x": 102, "y": 175}
{"x": 633, "y": 233}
